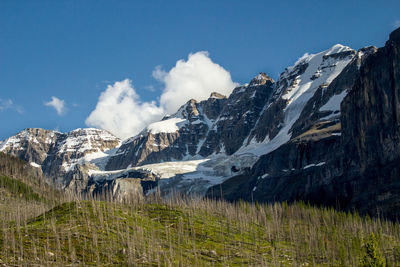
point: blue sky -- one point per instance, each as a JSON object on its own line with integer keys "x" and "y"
{"x": 73, "y": 50}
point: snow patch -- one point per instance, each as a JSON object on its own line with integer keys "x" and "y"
{"x": 264, "y": 176}
{"x": 33, "y": 164}
{"x": 163, "y": 170}
{"x": 314, "y": 165}
{"x": 166, "y": 126}
{"x": 334, "y": 102}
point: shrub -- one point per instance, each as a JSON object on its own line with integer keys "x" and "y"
{"x": 372, "y": 256}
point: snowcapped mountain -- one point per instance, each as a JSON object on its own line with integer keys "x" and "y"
{"x": 57, "y": 154}
{"x": 203, "y": 142}
{"x": 267, "y": 140}
{"x": 343, "y": 150}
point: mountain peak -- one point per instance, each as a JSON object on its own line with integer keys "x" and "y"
{"x": 217, "y": 95}
{"x": 337, "y": 48}
{"x": 260, "y": 79}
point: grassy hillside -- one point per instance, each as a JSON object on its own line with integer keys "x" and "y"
{"x": 195, "y": 233}
{"x": 40, "y": 226}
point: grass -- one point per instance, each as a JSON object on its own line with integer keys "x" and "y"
{"x": 194, "y": 233}
{"x": 40, "y": 226}
{"x": 319, "y": 131}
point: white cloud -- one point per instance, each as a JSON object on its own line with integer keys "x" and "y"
{"x": 195, "y": 78}
{"x": 9, "y": 104}
{"x": 121, "y": 111}
{"x": 396, "y": 24}
{"x": 5, "y": 104}
{"x": 159, "y": 74}
{"x": 57, "y": 104}
{"x": 150, "y": 88}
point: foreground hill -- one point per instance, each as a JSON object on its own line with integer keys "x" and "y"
{"x": 40, "y": 226}
{"x": 195, "y": 233}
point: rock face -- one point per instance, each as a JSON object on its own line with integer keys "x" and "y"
{"x": 125, "y": 187}
{"x": 240, "y": 115}
{"x": 371, "y": 112}
{"x": 371, "y": 131}
{"x": 349, "y": 159}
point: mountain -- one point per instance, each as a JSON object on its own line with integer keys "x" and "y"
{"x": 207, "y": 142}
{"x": 204, "y": 142}
{"x": 326, "y": 131}
{"x": 61, "y": 156}
{"x": 355, "y": 167}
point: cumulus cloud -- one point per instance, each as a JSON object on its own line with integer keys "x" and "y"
{"x": 195, "y": 78}
{"x": 121, "y": 111}
{"x": 57, "y": 104}
{"x": 9, "y": 104}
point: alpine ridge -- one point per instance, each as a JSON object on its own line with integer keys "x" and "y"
{"x": 326, "y": 130}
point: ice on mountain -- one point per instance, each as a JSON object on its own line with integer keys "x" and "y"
{"x": 167, "y": 126}
{"x": 334, "y": 102}
{"x": 314, "y": 165}
{"x": 301, "y": 92}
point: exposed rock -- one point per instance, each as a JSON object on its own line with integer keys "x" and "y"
{"x": 241, "y": 113}
{"x": 371, "y": 111}
{"x": 129, "y": 186}
{"x": 371, "y": 132}
{"x": 261, "y": 79}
